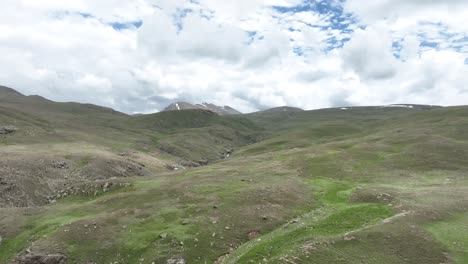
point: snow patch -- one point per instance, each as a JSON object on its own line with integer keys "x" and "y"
{"x": 178, "y": 107}
{"x": 344, "y": 108}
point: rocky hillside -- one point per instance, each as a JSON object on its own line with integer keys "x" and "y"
{"x": 220, "y": 110}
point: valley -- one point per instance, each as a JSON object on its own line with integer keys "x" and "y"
{"x": 86, "y": 184}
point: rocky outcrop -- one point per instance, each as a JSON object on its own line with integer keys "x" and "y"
{"x": 5, "y": 130}
{"x": 36, "y": 180}
{"x": 41, "y": 259}
{"x": 60, "y": 165}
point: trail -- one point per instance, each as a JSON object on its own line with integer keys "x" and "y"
{"x": 384, "y": 221}
{"x": 232, "y": 258}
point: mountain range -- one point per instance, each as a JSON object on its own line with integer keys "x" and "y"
{"x": 81, "y": 183}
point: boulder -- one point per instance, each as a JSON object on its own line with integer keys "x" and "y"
{"x": 175, "y": 167}
{"x": 107, "y": 187}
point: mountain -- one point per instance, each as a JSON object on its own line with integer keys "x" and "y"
{"x": 220, "y": 110}
{"x": 86, "y": 184}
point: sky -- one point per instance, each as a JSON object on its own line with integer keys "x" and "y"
{"x": 139, "y": 56}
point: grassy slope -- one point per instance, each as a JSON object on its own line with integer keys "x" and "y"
{"x": 43, "y": 121}
{"x": 331, "y": 171}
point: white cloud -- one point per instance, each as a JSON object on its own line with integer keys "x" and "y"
{"x": 239, "y": 53}
{"x": 369, "y": 53}
{"x": 96, "y": 83}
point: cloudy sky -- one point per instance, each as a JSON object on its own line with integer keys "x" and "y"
{"x": 140, "y": 55}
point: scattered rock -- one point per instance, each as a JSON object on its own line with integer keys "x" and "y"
{"x": 190, "y": 164}
{"x": 349, "y": 238}
{"x": 215, "y": 207}
{"x": 385, "y": 197}
{"x": 107, "y": 186}
{"x": 175, "y": 167}
{"x": 203, "y": 162}
{"x": 221, "y": 259}
{"x": 176, "y": 261}
{"x": 60, "y": 165}
{"x": 186, "y": 222}
{"x": 41, "y": 259}
{"x": 163, "y": 235}
{"x": 5, "y": 130}
{"x": 265, "y": 217}
{"x": 225, "y": 155}
{"x": 253, "y": 234}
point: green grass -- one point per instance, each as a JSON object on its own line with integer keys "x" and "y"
{"x": 35, "y": 230}
{"x": 335, "y": 216}
{"x": 452, "y": 233}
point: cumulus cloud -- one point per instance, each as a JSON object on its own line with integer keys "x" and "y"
{"x": 138, "y": 56}
{"x": 369, "y": 53}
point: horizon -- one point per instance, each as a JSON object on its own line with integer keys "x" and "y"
{"x": 344, "y": 107}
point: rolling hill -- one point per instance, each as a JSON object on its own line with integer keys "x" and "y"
{"x": 377, "y": 184}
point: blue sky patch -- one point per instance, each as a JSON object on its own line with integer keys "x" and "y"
{"x": 397, "y": 47}
{"x": 429, "y": 44}
{"x": 252, "y": 36}
{"x": 86, "y": 15}
{"x": 126, "y": 25}
{"x": 179, "y": 16}
{"x": 333, "y": 15}
{"x": 298, "y": 51}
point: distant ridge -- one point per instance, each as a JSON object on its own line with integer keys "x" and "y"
{"x": 221, "y": 110}
{"x": 39, "y": 105}
{"x": 283, "y": 109}
{"x": 7, "y": 90}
